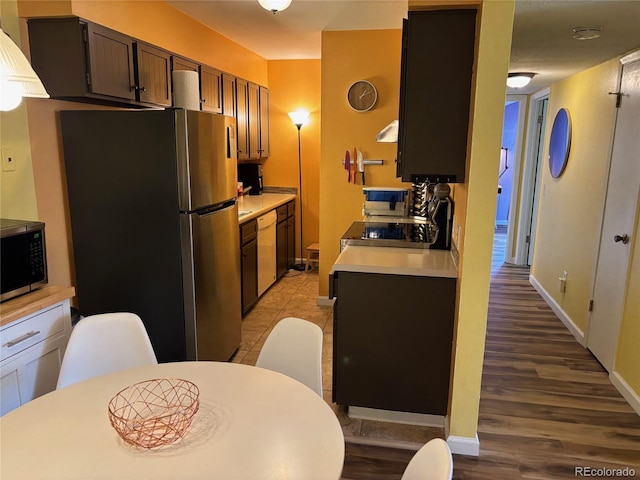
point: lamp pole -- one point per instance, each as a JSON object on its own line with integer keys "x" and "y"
{"x": 300, "y": 266}
{"x": 299, "y": 118}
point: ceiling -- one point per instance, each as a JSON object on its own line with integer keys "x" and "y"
{"x": 542, "y": 31}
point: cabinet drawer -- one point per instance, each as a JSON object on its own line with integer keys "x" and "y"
{"x": 291, "y": 209}
{"x": 18, "y": 336}
{"x": 282, "y": 212}
{"x": 248, "y": 231}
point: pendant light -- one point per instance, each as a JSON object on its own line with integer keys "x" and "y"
{"x": 17, "y": 78}
{"x": 274, "y": 6}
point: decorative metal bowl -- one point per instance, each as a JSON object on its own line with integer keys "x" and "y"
{"x": 155, "y": 412}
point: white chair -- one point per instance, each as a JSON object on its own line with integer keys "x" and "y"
{"x": 432, "y": 462}
{"x": 294, "y": 348}
{"x": 105, "y": 343}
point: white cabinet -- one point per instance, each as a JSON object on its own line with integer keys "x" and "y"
{"x": 31, "y": 351}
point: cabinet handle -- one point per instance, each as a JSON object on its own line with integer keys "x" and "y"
{"x": 136, "y": 87}
{"x": 204, "y": 100}
{"x": 143, "y": 89}
{"x": 24, "y": 337}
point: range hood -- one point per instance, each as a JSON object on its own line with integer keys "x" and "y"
{"x": 388, "y": 134}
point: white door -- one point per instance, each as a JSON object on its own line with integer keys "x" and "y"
{"x": 529, "y": 185}
{"x": 542, "y": 120}
{"x": 619, "y": 220}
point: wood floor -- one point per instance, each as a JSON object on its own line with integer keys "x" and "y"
{"x": 547, "y": 406}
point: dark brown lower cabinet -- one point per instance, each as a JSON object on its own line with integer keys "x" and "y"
{"x": 392, "y": 341}
{"x": 291, "y": 242}
{"x": 281, "y": 248}
{"x": 249, "y": 264}
{"x": 286, "y": 237}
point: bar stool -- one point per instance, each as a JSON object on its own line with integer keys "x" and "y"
{"x": 313, "y": 256}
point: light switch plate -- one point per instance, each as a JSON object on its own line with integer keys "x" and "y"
{"x": 8, "y": 159}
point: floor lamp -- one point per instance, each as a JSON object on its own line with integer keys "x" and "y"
{"x": 299, "y": 118}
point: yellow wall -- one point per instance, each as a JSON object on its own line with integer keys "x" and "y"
{"x": 17, "y": 190}
{"x": 628, "y": 354}
{"x": 479, "y": 191}
{"x": 565, "y": 238}
{"x": 348, "y": 56}
{"x": 295, "y": 84}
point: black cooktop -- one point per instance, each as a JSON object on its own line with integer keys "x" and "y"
{"x": 390, "y": 234}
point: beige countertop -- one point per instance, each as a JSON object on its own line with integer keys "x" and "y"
{"x": 396, "y": 261}
{"x": 256, "y": 205}
{"x": 16, "y": 308}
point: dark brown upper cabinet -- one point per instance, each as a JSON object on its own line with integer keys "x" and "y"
{"x": 438, "y": 51}
{"x": 228, "y": 95}
{"x": 210, "y": 89}
{"x": 181, "y": 63}
{"x": 153, "y": 74}
{"x": 265, "y": 145}
{"x": 252, "y": 113}
{"x": 75, "y": 59}
{"x": 254, "y": 120}
{"x": 82, "y": 61}
{"x": 242, "y": 118}
{"x": 110, "y": 62}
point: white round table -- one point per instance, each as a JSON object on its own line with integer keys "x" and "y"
{"x": 252, "y": 424}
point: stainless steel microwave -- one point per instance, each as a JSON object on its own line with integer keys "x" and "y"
{"x": 23, "y": 266}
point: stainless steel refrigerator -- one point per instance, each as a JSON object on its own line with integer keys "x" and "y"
{"x": 154, "y": 221}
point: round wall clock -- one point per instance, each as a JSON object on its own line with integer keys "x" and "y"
{"x": 560, "y": 143}
{"x": 362, "y": 96}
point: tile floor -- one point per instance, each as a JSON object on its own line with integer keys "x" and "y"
{"x": 295, "y": 296}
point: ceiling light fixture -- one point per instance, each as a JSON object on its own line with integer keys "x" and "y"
{"x": 274, "y": 6}
{"x": 519, "y": 79}
{"x": 586, "y": 33}
{"x": 17, "y": 78}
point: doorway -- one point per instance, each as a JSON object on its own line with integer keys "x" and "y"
{"x": 618, "y": 222}
{"x": 517, "y": 181}
{"x": 530, "y": 187}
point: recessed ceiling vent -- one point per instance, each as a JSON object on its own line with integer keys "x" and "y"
{"x": 586, "y": 33}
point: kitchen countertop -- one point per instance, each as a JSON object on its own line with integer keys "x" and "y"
{"x": 24, "y": 305}
{"x": 396, "y": 261}
{"x": 257, "y": 205}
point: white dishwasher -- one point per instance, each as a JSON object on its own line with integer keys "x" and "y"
{"x": 266, "y": 251}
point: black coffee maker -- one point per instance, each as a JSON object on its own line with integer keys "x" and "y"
{"x": 250, "y": 174}
{"x": 440, "y": 211}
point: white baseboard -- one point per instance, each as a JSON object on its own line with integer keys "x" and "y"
{"x": 323, "y": 301}
{"x": 421, "y": 419}
{"x": 625, "y": 390}
{"x": 383, "y": 442}
{"x": 557, "y": 309}
{"x": 464, "y": 445}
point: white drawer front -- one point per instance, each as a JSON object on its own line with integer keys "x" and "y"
{"x": 22, "y": 334}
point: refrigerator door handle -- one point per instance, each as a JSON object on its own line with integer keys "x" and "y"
{"x": 218, "y": 207}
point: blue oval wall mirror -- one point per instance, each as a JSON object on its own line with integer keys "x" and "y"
{"x": 560, "y": 143}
